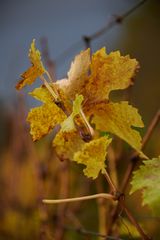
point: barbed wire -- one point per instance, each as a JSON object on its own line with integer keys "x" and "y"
{"x": 86, "y": 40}
{"x": 91, "y": 233}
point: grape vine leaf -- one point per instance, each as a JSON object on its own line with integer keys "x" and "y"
{"x": 67, "y": 143}
{"x": 42, "y": 94}
{"x": 93, "y": 155}
{"x": 107, "y": 72}
{"x": 81, "y": 105}
{"x": 147, "y": 179}
{"x": 44, "y": 118}
{"x": 35, "y": 70}
{"x": 119, "y": 118}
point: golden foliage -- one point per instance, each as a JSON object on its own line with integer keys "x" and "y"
{"x": 42, "y": 94}
{"x": 34, "y": 71}
{"x": 67, "y": 143}
{"x": 93, "y": 155}
{"x": 90, "y": 81}
{"x": 118, "y": 118}
{"x": 109, "y": 72}
{"x": 43, "y": 119}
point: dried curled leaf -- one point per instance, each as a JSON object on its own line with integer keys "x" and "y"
{"x": 93, "y": 155}
{"x": 147, "y": 179}
{"x": 43, "y": 119}
{"x": 34, "y": 71}
{"x": 67, "y": 143}
{"x": 68, "y": 124}
{"x": 77, "y": 75}
{"x": 118, "y": 118}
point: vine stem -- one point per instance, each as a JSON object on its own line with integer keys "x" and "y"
{"x": 134, "y": 158}
{"x": 55, "y": 95}
{"x": 134, "y": 222}
{"x": 49, "y": 87}
{"x": 121, "y": 201}
{"x": 49, "y": 77}
{"x": 99, "y": 195}
{"x": 114, "y": 20}
{"x": 133, "y": 162}
{"x": 88, "y": 126}
{"x": 110, "y": 182}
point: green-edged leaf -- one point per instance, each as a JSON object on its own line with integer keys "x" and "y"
{"x": 147, "y": 179}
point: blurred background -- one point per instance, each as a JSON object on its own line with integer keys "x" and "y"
{"x": 30, "y": 171}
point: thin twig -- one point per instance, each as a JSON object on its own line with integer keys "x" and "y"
{"x": 49, "y": 87}
{"x": 113, "y": 21}
{"x": 88, "y": 126}
{"x": 134, "y": 222}
{"x": 121, "y": 201}
{"x": 88, "y": 232}
{"x": 63, "y": 193}
{"x": 110, "y": 182}
{"x": 99, "y": 195}
{"x": 151, "y": 127}
{"x": 133, "y": 161}
{"x": 134, "y": 158}
{"x": 112, "y": 165}
{"x": 126, "y": 227}
{"x": 102, "y": 209}
{"x": 48, "y": 61}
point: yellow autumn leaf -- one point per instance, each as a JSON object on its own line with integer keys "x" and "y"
{"x": 93, "y": 155}
{"x": 42, "y": 94}
{"x": 68, "y": 123}
{"x": 43, "y": 119}
{"x": 93, "y": 78}
{"x": 67, "y": 143}
{"x": 35, "y": 70}
{"x": 119, "y": 118}
{"x": 109, "y": 72}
